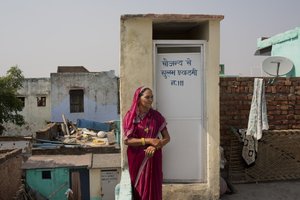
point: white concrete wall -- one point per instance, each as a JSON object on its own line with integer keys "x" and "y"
{"x": 136, "y": 63}
{"x": 100, "y": 95}
{"x": 96, "y": 183}
{"x": 212, "y": 102}
{"x": 35, "y": 117}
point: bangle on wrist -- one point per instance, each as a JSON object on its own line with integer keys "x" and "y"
{"x": 143, "y": 141}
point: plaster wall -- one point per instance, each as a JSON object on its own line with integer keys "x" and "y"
{"x": 136, "y": 58}
{"x": 95, "y": 182}
{"x": 25, "y": 145}
{"x": 100, "y": 96}
{"x": 53, "y": 188}
{"x": 286, "y": 44}
{"x": 289, "y": 49}
{"x": 136, "y": 69}
{"x": 212, "y": 103}
{"x": 35, "y": 116}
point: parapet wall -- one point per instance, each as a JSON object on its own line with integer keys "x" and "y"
{"x": 283, "y": 105}
{"x": 10, "y": 166}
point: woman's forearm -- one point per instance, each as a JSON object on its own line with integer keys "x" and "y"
{"x": 134, "y": 142}
{"x": 165, "y": 137}
{"x": 157, "y": 143}
{"x": 142, "y": 141}
{"x": 164, "y": 141}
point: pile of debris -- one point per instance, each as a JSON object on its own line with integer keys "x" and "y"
{"x": 84, "y": 133}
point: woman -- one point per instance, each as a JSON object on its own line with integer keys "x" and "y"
{"x": 141, "y": 126}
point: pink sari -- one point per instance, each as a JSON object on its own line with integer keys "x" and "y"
{"x": 145, "y": 173}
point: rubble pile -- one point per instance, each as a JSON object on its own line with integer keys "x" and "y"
{"x": 84, "y": 133}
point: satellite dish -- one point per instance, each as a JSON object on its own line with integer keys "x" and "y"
{"x": 277, "y": 65}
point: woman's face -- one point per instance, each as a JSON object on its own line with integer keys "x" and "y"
{"x": 146, "y": 99}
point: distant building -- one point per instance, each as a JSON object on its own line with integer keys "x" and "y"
{"x": 91, "y": 175}
{"x": 64, "y": 69}
{"x": 52, "y": 175}
{"x": 35, "y": 95}
{"x": 285, "y": 44}
{"x": 82, "y": 94}
{"x": 72, "y": 91}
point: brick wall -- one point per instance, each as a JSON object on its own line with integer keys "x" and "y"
{"x": 10, "y": 173}
{"x": 283, "y": 105}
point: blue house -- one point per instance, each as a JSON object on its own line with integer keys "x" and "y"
{"x": 285, "y": 44}
{"x": 80, "y": 94}
{"x": 52, "y": 176}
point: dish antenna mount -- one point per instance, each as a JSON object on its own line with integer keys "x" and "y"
{"x": 277, "y": 66}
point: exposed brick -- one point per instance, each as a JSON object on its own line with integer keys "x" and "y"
{"x": 288, "y": 82}
{"x": 296, "y": 126}
{"x": 283, "y": 104}
{"x": 291, "y": 97}
{"x": 284, "y": 112}
{"x": 284, "y": 107}
{"x": 10, "y": 173}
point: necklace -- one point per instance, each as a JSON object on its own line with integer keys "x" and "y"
{"x": 146, "y": 129}
{"x": 141, "y": 117}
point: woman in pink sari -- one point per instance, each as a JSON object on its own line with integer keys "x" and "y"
{"x": 141, "y": 125}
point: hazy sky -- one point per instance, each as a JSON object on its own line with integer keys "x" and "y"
{"x": 39, "y": 35}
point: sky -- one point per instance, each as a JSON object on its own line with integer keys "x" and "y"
{"x": 40, "y": 35}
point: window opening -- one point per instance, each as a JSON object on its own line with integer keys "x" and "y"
{"x": 46, "y": 174}
{"x": 76, "y": 101}
{"x": 22, "y": 99}
{"x": 41, "y": 101}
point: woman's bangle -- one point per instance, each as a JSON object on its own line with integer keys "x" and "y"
{"x": 143, "y": 141}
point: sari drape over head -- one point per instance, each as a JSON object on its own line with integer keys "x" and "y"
{"x": 145, "y": 172}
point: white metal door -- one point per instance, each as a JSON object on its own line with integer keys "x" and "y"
{"x": 179, "y": 97}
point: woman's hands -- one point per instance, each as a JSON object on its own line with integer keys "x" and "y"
{"x": 155, "y": 142}
{"x": 150, "y": 144}
{"x": 149, "y": 151}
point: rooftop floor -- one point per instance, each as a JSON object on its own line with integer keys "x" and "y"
{"x": 279, "y": 190}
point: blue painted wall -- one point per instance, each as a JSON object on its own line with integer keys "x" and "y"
{"x": 53, "y": 188}
{"x": 285, "y": 44}
{"x": 100, "y": 96}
